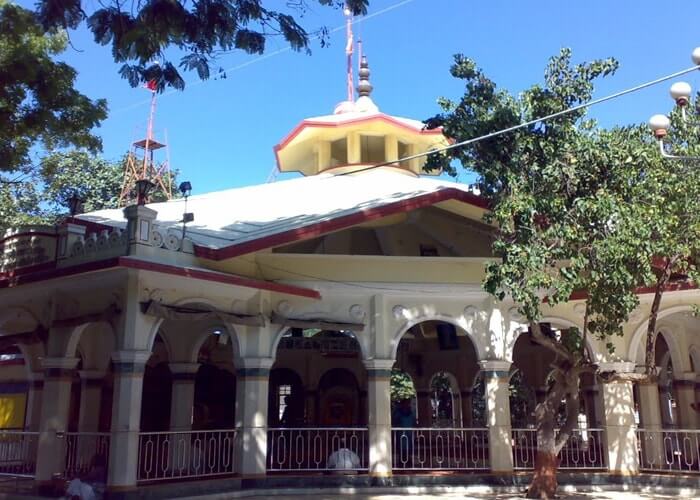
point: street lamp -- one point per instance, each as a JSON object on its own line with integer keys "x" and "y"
{"x": 659, "y": 124}
{"x": 143, "y": 188}
{"x": 185, "y": 189}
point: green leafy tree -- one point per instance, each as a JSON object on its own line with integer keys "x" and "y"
{"x": 38, "y": 101}
{"x": 401, "y": 386}
{"x": 41, "y": 196}
{"x": 140, "y": 33}
{"x": 578, "y": 209}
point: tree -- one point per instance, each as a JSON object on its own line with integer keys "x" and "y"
{"x": 41, "y": 197}
{"x": 577, "y": 209}
{"x": 140, "y": 33}
{"x": 401, "y": 386}
{"x": 38, "y": 102}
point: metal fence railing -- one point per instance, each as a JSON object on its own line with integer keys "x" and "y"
{"x": 318, "y": 449}
{"x": 440, "y": 448}
{"x": 583, "y": 450}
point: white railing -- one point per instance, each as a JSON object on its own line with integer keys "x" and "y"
{"x": 185, "y": 454}
{"x": 669, "y": 450}
{"x": 440, "y": 448}
{"x": 317, "y": 449}
{"x": 87, "y": 454}
{"x": 18, "y": 453}
{"x": 583, "y": 450}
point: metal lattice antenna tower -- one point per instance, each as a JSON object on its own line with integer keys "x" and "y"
{"x": 145, "y": 160}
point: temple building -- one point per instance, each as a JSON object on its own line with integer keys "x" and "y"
{"x": 334, "y": 322}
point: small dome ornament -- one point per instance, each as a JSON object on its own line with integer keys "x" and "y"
{"x": 364, "y": 88}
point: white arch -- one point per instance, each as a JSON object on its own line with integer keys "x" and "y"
{"x": 21, "y": 318}
{"x": 460, "y": 323}
{"x": 228, "y": 330}
{"x": 694, "y": 352}
{"x": 639, "y": 337}
{"x": 228, "y": 327}
{"x": 559, "y": 322}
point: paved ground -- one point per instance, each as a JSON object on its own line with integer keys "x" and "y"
{"x": 608, "y": 495}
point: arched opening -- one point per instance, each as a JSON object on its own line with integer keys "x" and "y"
{"x": 339, "y": 399}
{"x": 317, "y": 411}
{"x": 667, "y": 395}
{"x": 445, "y": 400}
{"x": 286, "y": 399}
{"x": 441, "y": 361}
{"x": 522, "y": 401}
{"x": 214, "y": 405}
{"x": 157, "y": 390}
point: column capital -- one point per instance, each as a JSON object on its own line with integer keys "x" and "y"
{"x": 91, "y": 374}
{"x": 184, "y": 372}
{"x": 495, "y": 367}
{"x": 130, "y": 361}
{"x": 60, "y": 363}
{"x": 183, "y": 367}
{"x": 617, "y": 366}
{"x": 686, "y": 376}
{"x": 253, "y": 367}
{"x": 378, "y": 367}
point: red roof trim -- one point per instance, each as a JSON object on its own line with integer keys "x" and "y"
{"x": 380, "y": 117}
{"x": 318, "y": 228}
{"x": 131, "y": 263}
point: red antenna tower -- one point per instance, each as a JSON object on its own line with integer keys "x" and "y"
{"x": 142, "y": 162}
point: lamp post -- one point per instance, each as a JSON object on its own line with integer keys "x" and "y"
{"x": 75, "y": 204}
{"x": 185, "y": 189}
{"x": 143, "y": 188}
{"x": 660, "y": 124}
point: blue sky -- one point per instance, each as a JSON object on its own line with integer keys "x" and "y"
{"x": 221, "y": 132}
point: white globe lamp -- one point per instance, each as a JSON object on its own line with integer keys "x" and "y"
{"x": 659, "y": 124}
{"x": 680, "y": 92}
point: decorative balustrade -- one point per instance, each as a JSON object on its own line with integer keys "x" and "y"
{"x": 669, "y": 450}
{"x": 18, "y": 453}
{"x": 87, "y": 453}
{"x": 318, "y": 449}
{"x": 440, "y": 448}
{"x": 186, "y": 454}
{"x": 583, "y": 450}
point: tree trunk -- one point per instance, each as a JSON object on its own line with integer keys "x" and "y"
{"x": 649, "y": 358}
{"x": 544, "y": 481}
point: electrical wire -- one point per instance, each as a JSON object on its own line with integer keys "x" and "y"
{"x": 530, "y": 122}
{"x": 268, "y": 55}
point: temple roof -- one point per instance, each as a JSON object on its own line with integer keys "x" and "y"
{"x": 237, "y": 221}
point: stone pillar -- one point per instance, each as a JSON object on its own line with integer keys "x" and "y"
{"x": 425, "y": 409}
{"x": 252, "y": 388}
{"x": 379, "y": 420}
{"x": 129, "y": 366}
{"x": 684, "y": 386}
{"x": 619, "y": 434}
{"x": 651, "y": 423}
{"x": 32, "y": 415}
{"x": 90, "y": 399}
{"x": 55, "y": 408}
{"x": 496, "y": 382}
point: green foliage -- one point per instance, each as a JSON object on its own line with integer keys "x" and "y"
{"x": 563, "y": 193}
{"x": 38, "y": 101}
{"x": 401, "y": 386}
{"x": 40, "y": 195}
{"x": 140, "y": 33}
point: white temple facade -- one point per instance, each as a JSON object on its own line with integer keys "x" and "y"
{"x": 275, "y": 337}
